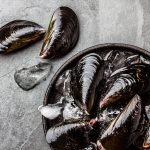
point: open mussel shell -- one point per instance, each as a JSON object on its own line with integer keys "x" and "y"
{"x": 52, "y": 95}
{"x": 86, "y": 76}
{"x": 62, "y": 34}
{"x": 18, "y": 34}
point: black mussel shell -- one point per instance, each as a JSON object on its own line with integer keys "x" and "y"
{"x": 18, "y": 34}
{"x": 62, "y": 34}
{"x": 124, "y": 83}
{"x": 86, "y": 76}
{"x": 142, "y": 132}
{"x": 107, "y": 115}
{"x": 69, "y": 136}
{"x": 113, "y": 60}
{"x": 122, "y": 131}
{"x": 146, "y": 144}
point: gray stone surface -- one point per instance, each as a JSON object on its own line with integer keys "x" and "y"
{"x": 101, "y": 21}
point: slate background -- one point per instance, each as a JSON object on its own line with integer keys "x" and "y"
{"x": 101, "y": 21}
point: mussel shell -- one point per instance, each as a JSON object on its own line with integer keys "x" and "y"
{"x": 113, "y": 60}
{"x": 107, "y": 115}
{"x": 146, "y": 144}
{"x": 86, "y": 76}
{"x": 62, "y": 34}
{"x": 104, "y": 119}
{"x": 121, "y": 132}
{"x": 18, "y": 34}
{"x": 124, "y": 83}
{"x": 141, "y": 131}
{"x": 69, "y": 137}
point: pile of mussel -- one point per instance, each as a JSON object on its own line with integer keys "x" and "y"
{"x": 100, "y": 108}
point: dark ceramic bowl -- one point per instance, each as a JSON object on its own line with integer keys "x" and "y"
{"x": 102, "y": 49}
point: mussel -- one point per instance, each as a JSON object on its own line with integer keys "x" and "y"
{"x": 69, "y": 136}
{"x": 124, "y": 83}
{"x": 113, "y": 60}
{"x": 86, "y": 75}
{"x": 107, "y": 115}
{"x": 134, "y": 59}
{"x": 146, "y": 144}
{"x": 18, "y": 34}
{"x": 62, "y": 34}
{"x": 122, "y": 132}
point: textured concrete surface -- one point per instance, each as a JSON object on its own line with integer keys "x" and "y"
{"x": 101, "y": 21}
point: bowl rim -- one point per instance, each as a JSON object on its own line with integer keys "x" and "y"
{"x": 87, "y": 50}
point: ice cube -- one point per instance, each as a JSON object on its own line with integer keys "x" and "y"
{"x": 63, "y": 84}
{"x": 28, "y": 78}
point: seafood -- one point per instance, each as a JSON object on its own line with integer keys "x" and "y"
{"x": 121, "y": 132}
{"x": 141, "y": 130}
{"x": 73, "y": 116}
{"x": 106, "y": 116}
{"x": 123, "y": 84}
{"x": 86, "y": 76}
{"x": 62, "y": 34}
{"x": 134, "y": 59}
{"x": 18, "y": 34}
{"x": 113, "y": 59}
{"x": 146, "y": 144}
{"x": 63, "y": 137}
